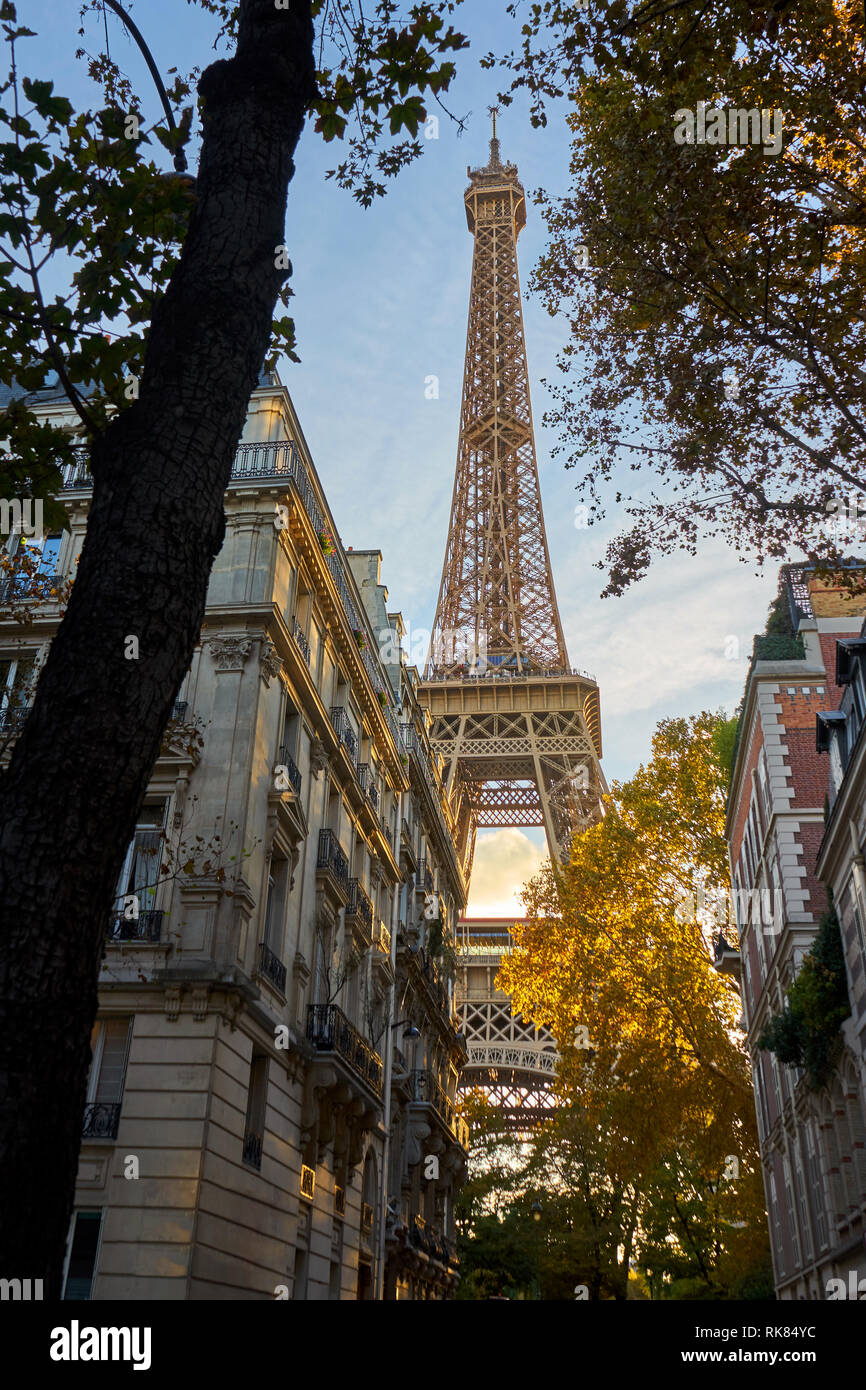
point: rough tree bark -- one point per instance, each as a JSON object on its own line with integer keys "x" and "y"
{"x": 70, "y": 797}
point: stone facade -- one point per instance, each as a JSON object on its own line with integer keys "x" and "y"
{"x": 811, "y": 1143}
{"x": 271, "y": 1110}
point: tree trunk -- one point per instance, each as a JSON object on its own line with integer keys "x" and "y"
{"x": 79, "y": 771}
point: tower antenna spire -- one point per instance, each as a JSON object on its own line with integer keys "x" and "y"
{"x": 494, "y": 143}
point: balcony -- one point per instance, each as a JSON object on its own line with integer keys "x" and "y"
{"x": 300, "y": 640}
{"x": 12, "y": 718}
{"x": 21, "y": 586}
{"x": 345, "y": 732}
{"x": 77, "y": 475}
{"x": 423, "y": 1238}
{"x": 367, "y": 779}
{"x": 252, "y": 1151}
{"x": 272, "y": 968}
{"x": 424, "y": 878}
{"x": 359, "y": 909}
{"x": 329, "y": 1030}
{"x": 147, "y": 926}
{"x": 426, "y": 1090}
{"x": 332, "y": 860}
{"x": 100, "y": 1120}
{"x": 285, "y": 759}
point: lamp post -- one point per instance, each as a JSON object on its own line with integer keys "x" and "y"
{"x": 536, "y": 1216}
{"x": 411, "y": 1032}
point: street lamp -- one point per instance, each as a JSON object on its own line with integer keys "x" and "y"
{"x": 536, "y": 1216}
{"x": 411, "y": 1031}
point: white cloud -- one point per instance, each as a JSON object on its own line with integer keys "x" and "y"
{"x": 504, "y": 861}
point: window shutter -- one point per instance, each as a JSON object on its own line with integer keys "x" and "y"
{"x": 112, "y": 1069}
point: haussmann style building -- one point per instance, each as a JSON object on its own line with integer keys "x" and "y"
{"x": 271, "y": 1109}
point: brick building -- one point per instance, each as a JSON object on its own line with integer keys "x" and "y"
{"x": 775, "y": 829}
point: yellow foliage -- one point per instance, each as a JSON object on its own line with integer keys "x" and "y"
{"x": 646, "y": 1027}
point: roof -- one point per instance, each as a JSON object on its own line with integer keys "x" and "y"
{"x": 847, "y": 651}
{"x": 10, "y": 391}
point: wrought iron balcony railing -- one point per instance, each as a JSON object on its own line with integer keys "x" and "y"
{"x": 359, "y": 906}
{"x": 252, "y": 1151}
{"x": 178, "y": 711}
{"x": 329, "y": 1030}
{"x": 12, "y": 718}
{"x": 285, "y": 759}
{"x": 332, "y": 857}
{"x": 367, "y": 779}
{"x": 272, "y": 967}
{"x": 424, "y": 878}
{"x": 426, "y": 1090}
{"x": 147, "y": 926}
{"x": 344, "y": 730}
{"x": 77, "y": 474}
{"x": 29, "y": 586}
{"x": 100, "y": 1120}
{"x": 303, "y": 644}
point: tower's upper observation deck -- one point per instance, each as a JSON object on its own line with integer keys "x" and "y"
{"x": 495, "y": 191}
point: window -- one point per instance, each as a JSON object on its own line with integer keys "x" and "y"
{"x": 789, "y": 1208}
{"x": 82, "y": 1253}
{"x": 16, "y": 687}
{"x": 775, "y": 1217}
{"x": 257, "y": 1097}
{"x": 139, "y": 876}
{"x": 109, "y": 1046}
{"x": 816, "y": 1187}
{"x": 857, "y": 918}
{"x": 802, "y": 1204}
{"x": 764, "y": 788}
{"x": 45, "y": 551}
{"x": 275, "y": 910}
{"x": 291, "y": 725}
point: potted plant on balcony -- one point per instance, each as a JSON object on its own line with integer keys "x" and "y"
{"x": 382, "y": 698}
{"x": 359, "y": 638}
{"x": 326, "y": 541}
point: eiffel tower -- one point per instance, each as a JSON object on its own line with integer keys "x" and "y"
{"x": 518, "y": 729}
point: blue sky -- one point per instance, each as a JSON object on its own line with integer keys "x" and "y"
{"x": 380, "y": 305}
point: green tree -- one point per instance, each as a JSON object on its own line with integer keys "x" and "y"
{"x": 807, "y": 1032}
{"x": 186, "y": 278}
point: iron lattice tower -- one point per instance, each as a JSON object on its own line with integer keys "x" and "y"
{"x": 519, "y": 731}
{"x": 516, "y": 726}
